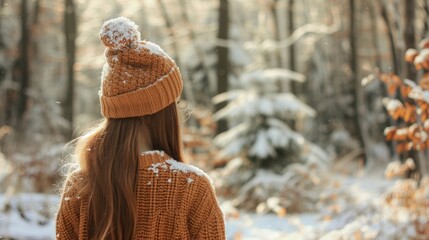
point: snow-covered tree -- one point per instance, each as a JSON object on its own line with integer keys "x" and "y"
{"x": 259, "y": 115}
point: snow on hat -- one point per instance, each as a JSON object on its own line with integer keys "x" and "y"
{"x": 139, "y": 78}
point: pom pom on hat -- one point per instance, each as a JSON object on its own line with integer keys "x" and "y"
{"x": 119, "y": 33}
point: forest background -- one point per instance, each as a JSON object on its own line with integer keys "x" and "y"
{"x": 310, "y": 115}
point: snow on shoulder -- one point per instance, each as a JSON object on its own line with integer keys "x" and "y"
{"x": 151, "y": 152}
{"x": 176, "y": 166}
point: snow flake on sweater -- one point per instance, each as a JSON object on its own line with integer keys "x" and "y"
{"x": 154, "y": 168}
{"x": 189, "y": 180}
{"x": 160, "y": 153}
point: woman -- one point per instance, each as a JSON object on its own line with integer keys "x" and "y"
{"x": 131, "y": 181}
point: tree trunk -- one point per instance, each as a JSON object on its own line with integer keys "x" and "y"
{"x": 395, "y": 63}
{"x": 187, "y": 87}
{"x": 70, "y": 31}
{"x": 378, "y": 63}
{"x": 354, "y": 66}
{"x": 24, "y": 65}
{"x": 425, "y": 19}
{"x": 211, "y": 78}
{"x": 409, "y": 36}
{"x": 223, "y": 61}
{"x": 374, "y": 32}
{"x": 276, "y": 31}
{"x": 291, "y": 27}
{"x": 384, "y": 15}
{"x": 3, "y": 92}
{"x": 410, "y": 42}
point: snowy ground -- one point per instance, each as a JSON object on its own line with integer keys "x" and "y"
{"x": 37, "y": 222}
{"x": 365, "y": 189}
{"x": 256, "y": 227}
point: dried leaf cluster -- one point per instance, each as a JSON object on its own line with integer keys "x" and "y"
{"x": 410, "y": 197}
{"x": 408, "y": 104}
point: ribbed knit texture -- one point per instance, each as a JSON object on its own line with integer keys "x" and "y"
{"x": 174, "y": 201}
{"x": 138, "y": 78}
{"x": 143, "y": 101}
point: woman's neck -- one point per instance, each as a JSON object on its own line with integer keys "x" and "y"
{"x": 143, "y": 145}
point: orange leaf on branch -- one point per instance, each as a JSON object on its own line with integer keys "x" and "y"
{"x": 425, "y": 63}
{"x": 422, "y": 60}
{"x": 426, "y": 144}
{"x": 413, "y": 130}
{"x": 410, "y": 113}
{"x": 424, "y": 43}
{"x": 402, "y": 147}
{"x": 423, "y": 111}
{"x": 390, "y": 132}
{"x": 426, "y": 125}
{"x": 410, "y": 55}
{"x": 398, "y": 113}
{"x": 424, "y": 116}
{"x": 401, "y": 134}
{"x": 394, "y": 107}
{"x": 405, "y": 91}
{"x": 392, "y": 89}
{"x": 418, "y": 137}
{"x": 424, "y": 106}
{"x": 392, "y": 82}
{"x": 424, "y": 81}
{"x": 418, "y": 146}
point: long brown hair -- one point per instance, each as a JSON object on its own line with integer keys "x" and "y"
{"x": 109, "y": 155}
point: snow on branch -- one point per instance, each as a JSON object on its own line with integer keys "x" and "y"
{"x": 227, "y": 96}
{"x": 250, "y": 104}
{"x": 392, "y": 104}
{"x": 311, "y": 28}
{"x": 272, "y": 75}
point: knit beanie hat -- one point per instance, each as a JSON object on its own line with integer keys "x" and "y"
{"x": 139, "y": 78}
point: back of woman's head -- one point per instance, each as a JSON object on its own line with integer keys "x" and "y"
{"x": 140, "y": 84}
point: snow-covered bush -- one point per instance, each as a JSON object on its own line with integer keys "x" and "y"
{"x": 299, "y": 188}
{"x": 259, "y": 115}
{"x": 273, "y": 167}
{"x": 401, "y": 213}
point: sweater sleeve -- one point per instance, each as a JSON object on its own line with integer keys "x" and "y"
{"x": 67, "y": 222}
{"x": 207, "y": 220}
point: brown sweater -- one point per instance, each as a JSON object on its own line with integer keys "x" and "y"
{"x": 174, "y": 201}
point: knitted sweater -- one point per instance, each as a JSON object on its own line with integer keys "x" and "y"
{"x": 174, "y": 201}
